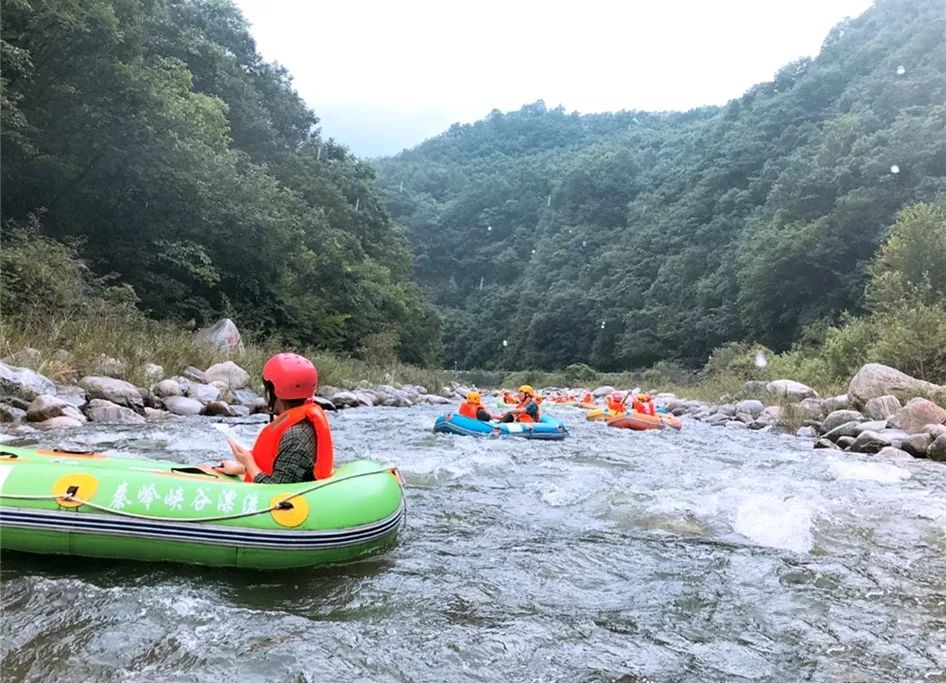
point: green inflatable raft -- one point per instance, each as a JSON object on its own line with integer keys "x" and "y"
{"x": 94, "y": 505}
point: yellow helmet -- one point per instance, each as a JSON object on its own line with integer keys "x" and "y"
{"x": 526, "y": 389}
{"x": 643, "y": 397}
{"x": 473, "y": 396}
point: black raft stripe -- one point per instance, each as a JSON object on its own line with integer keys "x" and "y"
{"x": 198, "y": 532}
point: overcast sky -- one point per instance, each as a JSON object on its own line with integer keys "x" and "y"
{"x": 383, "y": 76}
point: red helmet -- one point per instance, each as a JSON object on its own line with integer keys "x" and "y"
{"x": 292, "y": 376}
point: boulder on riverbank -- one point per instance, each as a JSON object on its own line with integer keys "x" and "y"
{"x": 791, "y": 390}
{"x": 114, "y": 390}
{"x": 223, "y": 334}
{"x": 23, "y": 382}
{"x": 229, "y": 373}
{"x": 46, "y": 406}
{"x": 875, "y": 380}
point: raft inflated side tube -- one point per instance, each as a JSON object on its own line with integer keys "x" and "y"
{"x": 547, "y": 428}
{"x": 641, "y": 421}
{"x": 97, "y": 506}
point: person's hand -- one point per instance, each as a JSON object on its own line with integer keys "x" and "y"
{"x": 230, "y": 467}
{"x": 243, "y": 456}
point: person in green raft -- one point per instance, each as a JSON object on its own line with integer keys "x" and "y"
{"x": 297, "y": 443}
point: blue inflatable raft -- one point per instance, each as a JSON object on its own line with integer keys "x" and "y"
{"x": 546, "y": 428}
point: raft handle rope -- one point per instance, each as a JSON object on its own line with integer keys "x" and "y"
{"x": 281, "y": 505}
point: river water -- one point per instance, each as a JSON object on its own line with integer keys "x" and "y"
{"x": 701, "y": 555}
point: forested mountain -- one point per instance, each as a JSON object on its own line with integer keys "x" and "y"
{"x": 195, "y": 177}
{"x": 621, "y": 239}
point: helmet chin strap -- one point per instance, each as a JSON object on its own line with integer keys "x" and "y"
{"x": 270, "y": 400}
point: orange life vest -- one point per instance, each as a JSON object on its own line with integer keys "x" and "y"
{"x": 587, "y": 398}
{"x": 468, "y": 409}
{"x": 266, "y": 447}
{"x": 645, "y": 407}
{"x": 615, "y": 406}
{"x": 525, "y": 417}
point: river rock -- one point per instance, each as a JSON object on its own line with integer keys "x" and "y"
{"x": 153, "y": 372}
{"x": 230, "y": 373}
{"x": 223, "y": 334}
{"x": 916, "y": 414}
{"x": 754, "y": 386}
{"x": 433, "y": 399}
{"x": 790, "y": 389}
{"x": 745, "y": 417}
{"x": 845, "y": 442}
{"x": 181, "y": 405}
{"x": 937, "y": 449}
{"x": 149, "y": 398}
{"x": 834, "y": 403}
{"x": 248, "y": 398}
{"x": 205, "y": 393}
{"x": 807, "y": 432}
{"x": 16, "y": 402}
{"x": 114, "y": 390}
{"x": 366, "y": 398}
{"x": 727, "y": 409}
{"x": 71, "y": 393}
{"x": 345, "y": 399}
{"x": 226, "y": 393}
{"x": 717, "y": 420}
{"x": 23, "y": 382}
{"x": 166, "y": 388}
{"x": 874, "y": 380}
{"x": 11, "y": 414}
{"x": 893, "y": 453}
{"x": 605, "y": 390}
{"x": 219, "y": 408}
{"x": 28, "y": 357}
{"x": 192, "y": 374}
{"x": 62, "y": 422}
{"x": 327, "y": 390}
{"x": 869, "y": 442}
{"x": 155, "y": 415}
{"x": 45, "y": 407}
{"x": 934, "y": 430}
{"x": 838, "y": 418}
{"x": 872, "y": 425}
{"x": 826, "y": 443}
{"x": 100, "y": 410}
{"x": 846, "y": 429}
{"x": 917, "y": 444}
{"x": 750, "y": 406}
{"x": 811, "y": 408}
{"x": 881, "y": 407}
{"x": 110, "y": 367}
{"x": 736, "y": 424}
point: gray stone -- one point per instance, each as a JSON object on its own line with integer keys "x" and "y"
{"x": 248, "y": 398}
{"x": 811, "y": 408}
{"x": 934, "y": 430}
{"x": 219, "y": 408}
{"x": 893, "y": 453}
{"x": 23, "y": 382}
{"x": 114, "y": 390}
{"x": 153, "y": 372}
{"x": 869, "y": 442}
{"x": 605, "y": 390}
{"x": 873, "y": 426}
{"x": 366, "y": 398}
{"x": 166, "y": 388}
{"x": 736, "y": 424}
{"x": 61, "y": 422}
{"x": 193, "y": 374}
{"x": 226, "y": 393}
{"x": 155, "y": 415}
{"x": 433, "y": 399}
{"x": 727, "y": 409}
{"x": 937, "y": 449}
{"x": 807, "y": 432}
{"x": 229, "y": 373}
{"x": 881, "y": 407}
{"x": 917, "y": 444}
{"x": 181, "y": 405}
{"x": 71, "y": 393}
{"x": 745, "y": 417}
{"x": 28, "y": 357}
{"x": 150, "y": 400}
{"x": 846, "y": 429}
{"x": 110, "y": 367}
{"x": 11, "y": 414}
{"x": 760, "y": 424}
{"x": 845, "y": 442}
{"x": 327, "y": 390}
{"x": 205, "y": 393}
{"x": 874, "y": 380}
{"x": 916, "y": 414}
{"x": 826, "y": 443}
{"x": 223, "y": 334}
{"x": 750, "y": 406}
{"x": 717, "y": 419}
{"x": 46, "y": 406}
{"x": 790, "y": 389}
{"x": 834, "y": 403}
{"x": 100, "y": 410}
{"x": 240, "y": 411}
{"x": 840, "y": 417}
{"x": 16, "y": 402}
{"x": 345, "y": 399}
